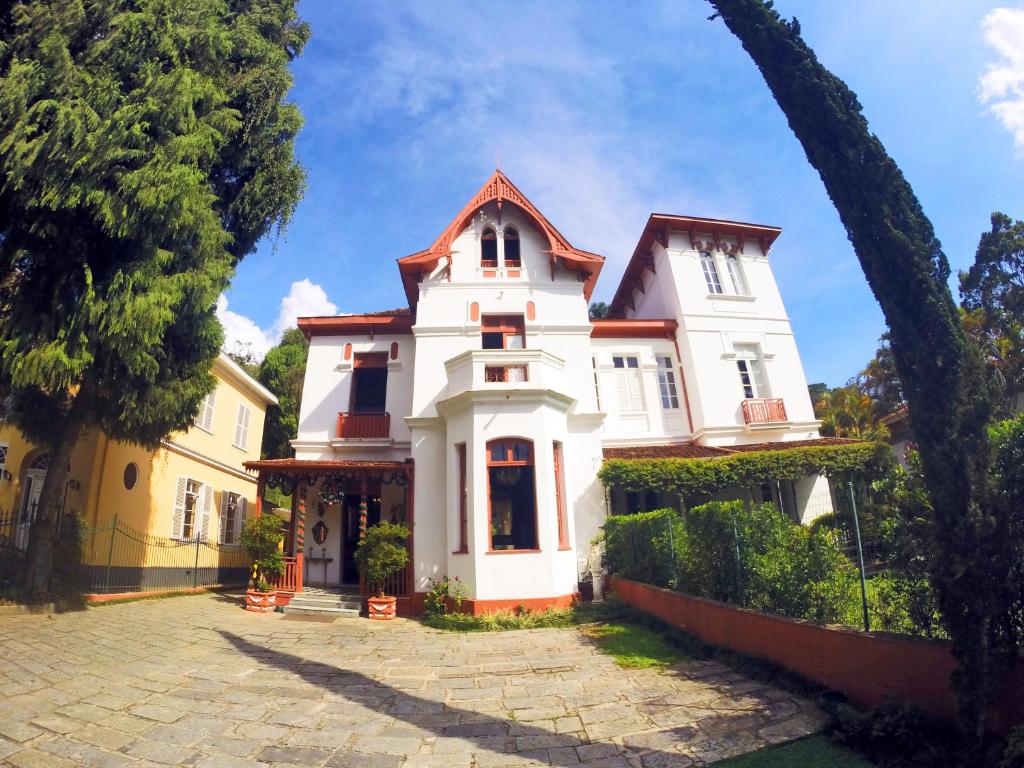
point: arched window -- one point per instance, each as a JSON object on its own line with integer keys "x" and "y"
{"x": 512, "y": 248}
{"x": 739, "y": 285}
{"x": 511, "y": 495}
{"x": 488, "y": 248}
{"x": 707, "y": 263}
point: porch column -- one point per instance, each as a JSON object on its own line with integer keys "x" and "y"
{"x": 300, "y": 535}
{"x": 260, "y": 487}
{"x": 362, "y": 507}
{"x": 290, "y": 543}
{"x": 410, "y": 494}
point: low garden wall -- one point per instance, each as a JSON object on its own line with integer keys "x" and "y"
{"x": 870, "y": 668}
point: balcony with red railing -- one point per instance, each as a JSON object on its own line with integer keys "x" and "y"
{"x": 363, "y": 426}
{"x": 764, "y": 410}
{"x": 290, "y": 579}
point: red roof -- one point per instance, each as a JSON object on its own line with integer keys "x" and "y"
{"x": 390, "y": 322}
{"x": 658, "y": 227}
{"x": 499, "y": 189}
{"x": 633, "y": 329}
{"x": 694, "y": 450}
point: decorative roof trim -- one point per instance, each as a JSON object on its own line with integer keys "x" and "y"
{"x": 324, "y": 465}
{"x": 499, "y": 189}
{"x": 633, "y": 329}
{"x": 356, "y": 325}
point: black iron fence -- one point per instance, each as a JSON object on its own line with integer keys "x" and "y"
{"x": 119, "y": 558}
{"x": 115, "y": 557}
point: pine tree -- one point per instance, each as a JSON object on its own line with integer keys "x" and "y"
{"x": 941, "y": 371}
{"x": 145, "y": 147}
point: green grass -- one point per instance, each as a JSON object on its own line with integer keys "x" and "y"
{"x": 633, "y": 646}
{"x": 815, "y": 752}
{"x": 502, "y": 621}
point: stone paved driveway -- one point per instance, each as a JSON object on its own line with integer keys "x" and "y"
{"x": 197, "y": 681}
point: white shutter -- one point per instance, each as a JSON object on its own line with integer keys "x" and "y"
{"x": 622, "y": 386}
{"x": 242, "y": 426}
{"x": 636, "y": 391}
{"x": 239, "y": 518}
{"x": 224, "y": 496}
{"x": 206, "y": 411}
{"x": 207, "y": 502}
{"x": 245, "y": 427}
{"x": 178, "y": 521}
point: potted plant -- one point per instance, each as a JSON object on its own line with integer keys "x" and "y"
{"x": 261, "y": 539}
{"x": 382, "y": 554}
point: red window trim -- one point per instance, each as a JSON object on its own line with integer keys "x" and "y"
{"x": 529, "y": 462}
{"x": 463, "y": 512}
{"x": 506, "y": 325}
{"x": 370, "y": 360}
{"x": 563, "y": 522}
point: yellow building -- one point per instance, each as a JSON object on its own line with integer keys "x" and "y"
{"x": 144, "y": 509}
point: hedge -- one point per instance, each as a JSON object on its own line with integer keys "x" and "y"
{"x": 696, "y": 478}
{"x": 750, "y": 555}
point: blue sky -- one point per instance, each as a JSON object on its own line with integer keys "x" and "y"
{"x": 602, "y": 112}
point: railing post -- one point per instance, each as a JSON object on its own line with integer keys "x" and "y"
{"x": 860, "y": 557}
{"x": 110, "y": 553}
{"x": 195, "y": 568}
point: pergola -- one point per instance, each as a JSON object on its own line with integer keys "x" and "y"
{"x": 331, "y": 479}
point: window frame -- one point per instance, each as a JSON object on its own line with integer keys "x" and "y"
{"x": 241, "y": 504}
{"x": 518, "y": 261}
{"x": 5, "y": 449}
{"x": 752, "y": 372}
{"x": 460, "y": 450}
{"x": 561, "y": 512}
{"x": 737, "y": 276}
{"x": 712, "y": 278}
{"x": 509, "y": 326}
{"x": 491, "y": 236}
{"x": 509, "y": 460}
{"x": 667, "y": 383}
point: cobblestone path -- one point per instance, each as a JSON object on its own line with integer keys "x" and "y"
{"x": 197, "y": 681}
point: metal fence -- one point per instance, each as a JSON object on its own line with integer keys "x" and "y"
{"x": 116, "y": 557}
{"x": 119, "y": 558}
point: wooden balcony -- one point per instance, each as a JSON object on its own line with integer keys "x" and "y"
{"x": 506, "y": 373}
{"x": 355, "y": 426}
{"x": 764, "y": 410}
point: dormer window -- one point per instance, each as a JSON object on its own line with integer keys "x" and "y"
{"x": 707, "y": 263}
{"x": 488, "y": 248}
{"x": 512, "y": 247}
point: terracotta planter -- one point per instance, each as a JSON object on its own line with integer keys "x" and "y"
{"x": 260, "y": 602}
{"x": 381, "y": 608}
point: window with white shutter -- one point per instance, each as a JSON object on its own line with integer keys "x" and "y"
{"x": 739, "y": 282}
{"x": 707, "y": 263}
{"x": 629, "y": 383}
{"x": 189, "y": 501}
{"x": 751, "y": 370}
{"x": 204, "y": 417}
{"x": 3, "y": 457}
{"x": 207, "y": 508}
{"x": 232, "y": 513}
{"x": 242, "y": 426}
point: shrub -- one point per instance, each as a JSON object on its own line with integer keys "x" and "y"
{"x": 382, "y": 553}
{"x": 435, "y": 601}
{"x": 261, "y": 539}
{"x": 646, "y": 546}
{"x": 1013, "y": 750}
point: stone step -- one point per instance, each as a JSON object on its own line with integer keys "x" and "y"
{"x": 351, "y": 612}
{"x": 327, "y": 601}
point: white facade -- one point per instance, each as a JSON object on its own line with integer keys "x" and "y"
{"x": 666, "y": 373}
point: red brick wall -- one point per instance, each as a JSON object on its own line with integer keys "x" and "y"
{"x": 870, "y": 669}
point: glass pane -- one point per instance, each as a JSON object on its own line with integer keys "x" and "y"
{"x": 498, "y": 452}
{"x": 631, "y": 362}
{"x": 520, "y": 451}
{"x": 514, "y": 341}
{"x": 618, "y": 362}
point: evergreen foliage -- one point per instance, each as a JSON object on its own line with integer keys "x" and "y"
{"x": 695, "y": 479}
{"x": 943, "y": 375}
{"x": 382, "y": 553}
{"x": 145, "y": 147}
{"x": 746, "y": 554}
{"x": 283, "y": 372}
{"x": 261, "y": 539}
{"x": 992, "y": 292}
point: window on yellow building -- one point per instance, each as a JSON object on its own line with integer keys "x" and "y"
{"x": 192, "y": 502}
{"x": 232, "y": 516}
{"x": 242, "y": 426}
{"x": 204, "y": 417}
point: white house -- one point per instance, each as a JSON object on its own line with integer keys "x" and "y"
{"x": 480, "y": 415}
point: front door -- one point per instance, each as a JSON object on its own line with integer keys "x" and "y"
{"x": 350, "y": 533}
{"x": 29, "y": 502}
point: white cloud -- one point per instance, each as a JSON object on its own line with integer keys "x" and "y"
{"x": 243, "y": 336}
{"x": 1002, "y": 85}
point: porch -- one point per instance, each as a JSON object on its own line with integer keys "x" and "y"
{"x": 333, "y": 504}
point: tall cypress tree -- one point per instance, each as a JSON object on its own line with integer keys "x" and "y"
{"x": 145, "y": 147}
{"x": 941, "y": 371}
